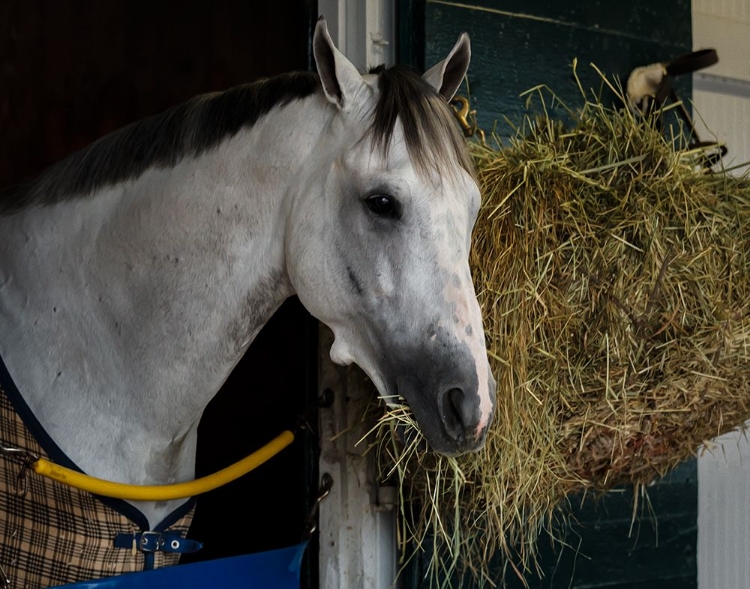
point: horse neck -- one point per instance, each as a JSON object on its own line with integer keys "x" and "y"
{"x": 122, "y": 313}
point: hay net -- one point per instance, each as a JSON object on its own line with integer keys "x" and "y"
{"x": 613, "y": 275}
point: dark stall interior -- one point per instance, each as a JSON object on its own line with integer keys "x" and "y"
{"x": 70, "y": 72}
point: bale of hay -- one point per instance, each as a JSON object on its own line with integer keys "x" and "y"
{"x": 614, "y": 278}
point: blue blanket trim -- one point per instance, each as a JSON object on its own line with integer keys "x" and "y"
{"x": 157, "y": 541}
{"x": 277, "y": 569}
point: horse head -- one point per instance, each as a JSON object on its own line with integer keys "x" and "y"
{"x": 379, "y": 251}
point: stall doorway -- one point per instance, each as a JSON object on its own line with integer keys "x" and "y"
{"x": 71, "y": 72}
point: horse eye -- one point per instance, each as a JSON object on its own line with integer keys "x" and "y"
{"x": 384, "y": 206}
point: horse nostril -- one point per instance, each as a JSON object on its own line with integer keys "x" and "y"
{"x": 459, "y": 413}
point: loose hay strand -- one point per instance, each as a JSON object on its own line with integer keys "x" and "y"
{"x": 614, "y": 280}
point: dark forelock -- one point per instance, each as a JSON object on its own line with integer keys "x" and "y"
{"x": 433, "y": 139}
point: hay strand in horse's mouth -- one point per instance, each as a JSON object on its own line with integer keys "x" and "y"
{"x": 614, "y": 279}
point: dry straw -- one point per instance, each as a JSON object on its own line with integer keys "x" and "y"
{"x": 614, "y": 279}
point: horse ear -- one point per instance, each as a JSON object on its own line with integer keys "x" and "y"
{"x": 447, "y": 75}
{"x": 340, "y": 79}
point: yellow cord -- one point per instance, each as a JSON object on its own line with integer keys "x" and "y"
{"x": 163, "y": 492}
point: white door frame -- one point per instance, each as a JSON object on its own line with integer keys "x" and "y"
{"x": 358, "y": 545}
{"x": 721, "y": 99}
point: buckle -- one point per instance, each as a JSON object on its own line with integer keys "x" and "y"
{"x": 150, "y": 541}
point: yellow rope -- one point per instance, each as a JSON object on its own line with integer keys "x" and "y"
{"x": 163, "y": 492}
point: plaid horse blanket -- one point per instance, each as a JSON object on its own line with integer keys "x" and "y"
{"x": 54, "y": 534}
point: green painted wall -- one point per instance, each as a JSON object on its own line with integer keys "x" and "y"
{"x": 606, "y": 548}
{"x": 516, "y": 46}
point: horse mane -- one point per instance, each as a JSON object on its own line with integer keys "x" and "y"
{"x": 163, "y": 140}
{"x": 201, "y": 123}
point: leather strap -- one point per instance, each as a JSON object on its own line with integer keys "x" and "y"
{"x": 692, "y": 62}
{"x": 157, "y": 542}
{"x": 685, "y": 64}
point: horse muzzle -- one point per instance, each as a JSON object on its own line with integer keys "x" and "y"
{"x": 451, "y": 421}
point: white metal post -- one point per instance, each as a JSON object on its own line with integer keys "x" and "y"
{"x": 357, "y": 527}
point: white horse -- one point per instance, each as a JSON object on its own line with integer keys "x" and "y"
{"x": 135, "y": 273}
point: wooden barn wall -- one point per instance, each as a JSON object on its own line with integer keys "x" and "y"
{"x": 516, "y": 46}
